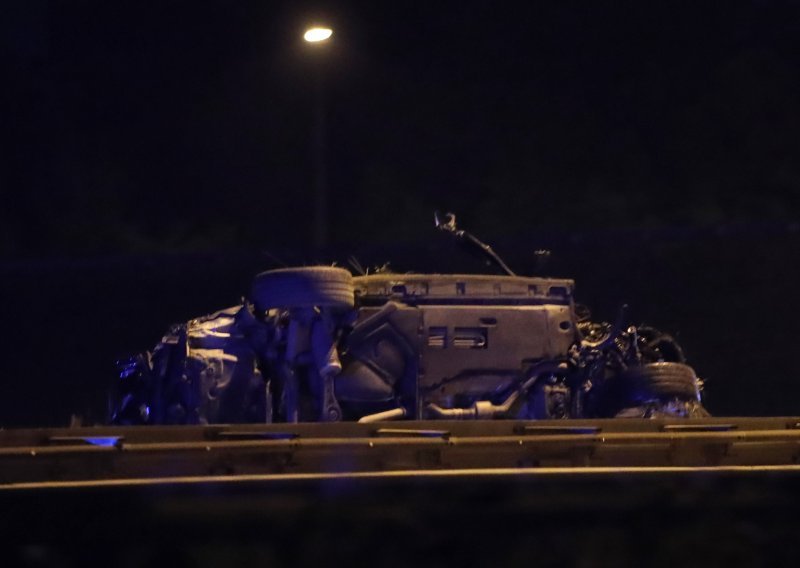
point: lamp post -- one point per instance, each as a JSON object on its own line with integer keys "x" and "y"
{"x": 318, "y": 37}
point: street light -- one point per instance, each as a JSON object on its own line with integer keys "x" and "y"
{"x": 319, "y": 35}
{"x": 316, "y": 35}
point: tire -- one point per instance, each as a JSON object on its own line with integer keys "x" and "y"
{"x": 665, "y": 380}
{"x": 646, "y": 390}
{"x": 307, "y": 287}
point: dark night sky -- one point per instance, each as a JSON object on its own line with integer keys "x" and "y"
{"x": 186, "y": 125}
{"x": 135, "y": 130}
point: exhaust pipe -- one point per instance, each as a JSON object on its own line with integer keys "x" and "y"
{"x": 393, "y": 414}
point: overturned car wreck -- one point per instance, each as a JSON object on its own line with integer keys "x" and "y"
{"x": 319, "y": 344}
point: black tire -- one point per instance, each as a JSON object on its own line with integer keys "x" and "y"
{"x": 307, "y": 287}
{"x": 665, "y": 380}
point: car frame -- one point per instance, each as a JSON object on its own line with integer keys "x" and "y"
{"x": 318, "y": 344}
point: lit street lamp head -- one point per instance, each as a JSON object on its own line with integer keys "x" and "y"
{"x": 316, "y": 35}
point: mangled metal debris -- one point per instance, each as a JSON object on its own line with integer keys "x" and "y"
{"x": 319, "y": 344}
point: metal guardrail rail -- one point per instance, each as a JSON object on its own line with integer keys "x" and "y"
{"x": 136, "y": 455}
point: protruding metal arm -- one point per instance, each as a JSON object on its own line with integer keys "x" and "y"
{"x": 447, "y": 223}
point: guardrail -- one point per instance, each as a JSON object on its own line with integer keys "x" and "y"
{"x": 280, "y": 451}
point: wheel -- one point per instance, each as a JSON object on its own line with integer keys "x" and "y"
{"x": 664, "y": 380}
{"x": 307, "y": 287}
{"x": 653, "y": 385}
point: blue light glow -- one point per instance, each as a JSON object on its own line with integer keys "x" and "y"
{"x": 105, "y": 441}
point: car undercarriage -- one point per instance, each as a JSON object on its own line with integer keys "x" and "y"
{"x": 318, "y": 344}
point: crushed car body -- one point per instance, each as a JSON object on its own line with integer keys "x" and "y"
{"x": 317, "y": 344}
